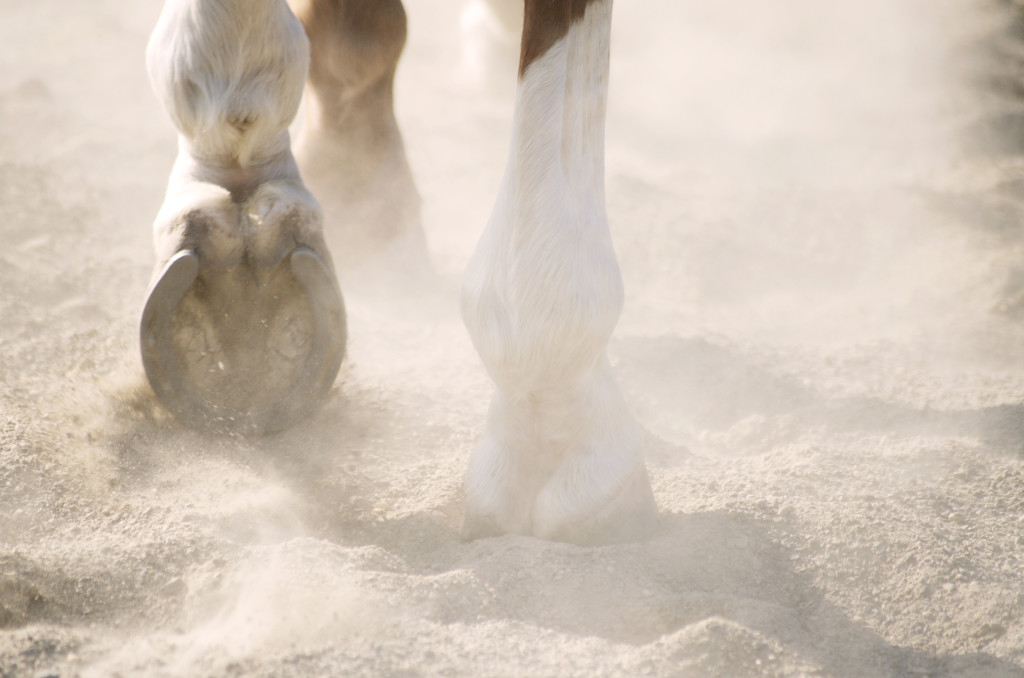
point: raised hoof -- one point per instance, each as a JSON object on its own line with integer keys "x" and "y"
{"x": 243, "y": 350}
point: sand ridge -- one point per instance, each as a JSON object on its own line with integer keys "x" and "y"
{"x": 817, "y": 211}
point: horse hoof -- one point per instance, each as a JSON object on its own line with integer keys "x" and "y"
{"x": 243, "y": 349}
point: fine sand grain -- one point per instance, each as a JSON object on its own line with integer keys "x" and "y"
{"x": 819, "y": 212}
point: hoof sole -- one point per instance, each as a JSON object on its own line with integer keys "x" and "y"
{"x": 243, "y": 350}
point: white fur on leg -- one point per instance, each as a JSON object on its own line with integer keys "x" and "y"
{"x": 500, "y": 483}
{"x": 600, "y": 490}
{"x": 561, "y": 454}
{"x": 277, "y": 214}
{"x": 256, "y": 339}
{"x": 564, "y": 466}
{"x": 230, "y": 73}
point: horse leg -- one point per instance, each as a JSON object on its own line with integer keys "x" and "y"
{"x": 243, "y": 328}
{"x": 350, "y": 149}
{"x": 561, "y": 456}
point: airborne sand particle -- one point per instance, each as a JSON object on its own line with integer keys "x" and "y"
{"x": 816, "y": 208}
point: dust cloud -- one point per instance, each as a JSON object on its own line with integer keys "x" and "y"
{"x": 817, "y": 209}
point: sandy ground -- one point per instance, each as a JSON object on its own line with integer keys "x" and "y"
{"x": 817, "y": 208}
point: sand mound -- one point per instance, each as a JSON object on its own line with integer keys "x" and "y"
{"x": 817, "y": 209}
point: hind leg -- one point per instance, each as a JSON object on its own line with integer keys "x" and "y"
{"x": 243, "y": 328}
{"x": 350, "y": 149}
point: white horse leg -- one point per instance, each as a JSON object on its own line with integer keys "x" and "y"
{"x": 561, "y": 456}
{"x": 243, "y": 328}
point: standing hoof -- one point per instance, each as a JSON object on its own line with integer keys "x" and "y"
{"x": 246, "y": 349}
